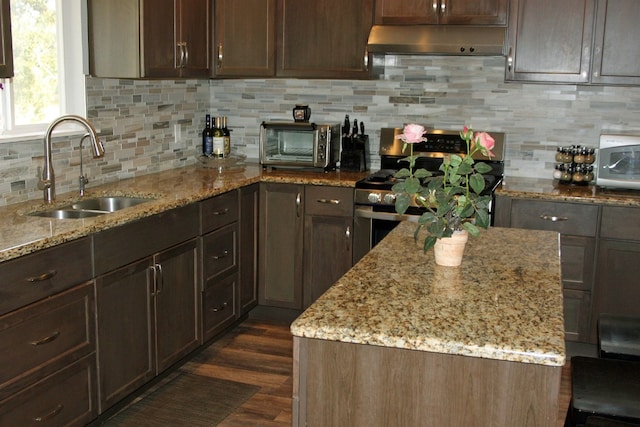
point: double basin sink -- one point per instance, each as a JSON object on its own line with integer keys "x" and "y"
{"x": 92, "y": 207}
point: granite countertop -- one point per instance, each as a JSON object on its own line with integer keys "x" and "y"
{"x": 504, "y": 302}
{"x": 21, "y": 234}
{"x": 549, "y": 189}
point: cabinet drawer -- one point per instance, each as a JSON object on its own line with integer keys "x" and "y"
{"x": 119, "y": 246}
{"x": 32, "y": 277}
{"x": 330, "y": 201}
{"x": 219, "y": 211}
{"x": 66, "y": 398}
{"x": 566, "y": 218}
{"x": 45, "y": 336}
{"x": 219, "y": 308}
{"x": 620, "y": 223}
{"x": 220, "y": 250}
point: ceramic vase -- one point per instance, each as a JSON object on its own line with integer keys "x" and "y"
{"x": 449, "y": 250}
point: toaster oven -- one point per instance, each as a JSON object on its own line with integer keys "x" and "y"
{"x": 619, "y": 161}
{"x": 299, "y": 145}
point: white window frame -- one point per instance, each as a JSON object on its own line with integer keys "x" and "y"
{"x": 72, "y": 65}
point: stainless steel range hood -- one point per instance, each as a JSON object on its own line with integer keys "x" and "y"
{"x": 437, "y": 40}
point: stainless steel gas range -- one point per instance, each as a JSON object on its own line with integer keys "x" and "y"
{"x": 375, "y": 214}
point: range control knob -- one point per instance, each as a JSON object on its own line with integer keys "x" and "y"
{"x": 374, "y": 197}
{"x": 389, "y": 199}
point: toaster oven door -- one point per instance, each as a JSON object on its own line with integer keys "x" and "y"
{"x": 619, "y": 167}
{"x": 290, "y": 144}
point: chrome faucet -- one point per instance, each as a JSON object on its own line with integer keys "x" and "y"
{"x": 48, "y": 181}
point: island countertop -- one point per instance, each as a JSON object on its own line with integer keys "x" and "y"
{"x": 504, "y": 302}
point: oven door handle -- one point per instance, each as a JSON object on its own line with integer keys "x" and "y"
{"x": 385, "y": 216}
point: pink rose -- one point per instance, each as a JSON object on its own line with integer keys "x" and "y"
{"x": 412, "y": 134}
{"x": 486, "y": 143}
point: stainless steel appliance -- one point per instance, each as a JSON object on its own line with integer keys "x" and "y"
{"x": 299, "y": 145}
{"x": 375, "y": 214}
{"x": 619, "y": 161}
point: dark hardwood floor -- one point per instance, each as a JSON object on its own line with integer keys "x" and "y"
{"x": 260, "y": 353}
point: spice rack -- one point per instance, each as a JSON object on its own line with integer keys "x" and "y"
{"x": 574, "y": 165}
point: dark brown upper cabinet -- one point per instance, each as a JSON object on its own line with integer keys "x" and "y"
{"x": 465, "y": 12}
{"x": 550, "y": 43}
{"x": 584, "y": 41}
{"x": 285, "y": 38}
{"x": 6, "y": 47}
{"x": 616, "y": 51}
{"x": 157, "y": 39}
{"x": 244, "y": 38}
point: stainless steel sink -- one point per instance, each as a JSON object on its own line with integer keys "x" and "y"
{"x": 92, "y": 207}
{"x": 108, "y": 204}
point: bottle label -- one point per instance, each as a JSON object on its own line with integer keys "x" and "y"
{"x": 218, "y": 146}
{"x": 208, "y": 146}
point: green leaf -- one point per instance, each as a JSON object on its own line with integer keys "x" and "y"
{"x": 429, "y": 242}
{"x": 402, "y": 173}
{"x": 482, "y": 218}
{"x": 476, "y": 181}
{"x": 472, "y": 229}
{"x": 482, "y": 167}
{"x": 422, "y": 173}
{"x": 456, "y": 160}
{"x": 398, "y": 187}
{"x": 426, "y": 217}
{"x": 412, "y": 185}
{"x": 465, "y": 169}
{"x": 402, "y": 203}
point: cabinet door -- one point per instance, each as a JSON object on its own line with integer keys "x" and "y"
{"x": 324, "y": 38}
{"x": 577, "y": 307}
{"x": 175, "y": 38}
{"x": 176, "y": 303}
{"x": 281, "y": 234}
{"x": 248, "y": 257}
{"x": 407, "y": 11}
{"x": 549, "y": 42}
{"x": 6, "y": 47}
{"x": 473, "y": 12}
{"x": 194, "y": 21}
{"x": 245, "y": 38}
{"x": 616, "y": 56}
{"x": 578, "y": 255}
{"x": 126, "y": 358}
{"x": 327, "y": 253}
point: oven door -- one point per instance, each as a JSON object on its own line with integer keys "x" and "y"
{"x": 371, "y": 224}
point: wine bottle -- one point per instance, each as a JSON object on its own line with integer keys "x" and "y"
{"x": 218, "y": 138}
{"x": 207, "y": 137}
{"x": 227, "y": 137}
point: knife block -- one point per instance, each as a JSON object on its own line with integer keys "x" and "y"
{"x": 355, "y": 153}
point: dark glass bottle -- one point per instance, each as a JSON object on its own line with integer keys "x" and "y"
{"x": 218, "y": 138}
{"x": 207, "y": 137}
{"x": 227, "y": 137}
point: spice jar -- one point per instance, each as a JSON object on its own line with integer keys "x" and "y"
{"x": 566, "y": 174}
{"x": 559, "y": 154}
{"x": 557, "y": 172}
{"x": 590, "y": 157}
{"x": 567, "y": 155}
{"x": 578, "y": 174}
{"x": 588, "y": 176}
{"x": 579, "y": 155}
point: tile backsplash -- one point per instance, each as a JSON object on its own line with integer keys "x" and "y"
{"x": 153, "y": 125}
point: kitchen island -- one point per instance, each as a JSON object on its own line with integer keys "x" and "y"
{"x": 401, "y": 341}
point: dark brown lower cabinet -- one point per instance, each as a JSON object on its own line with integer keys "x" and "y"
{"x": 248, "y": 248}
{"x": 147, "y": 319}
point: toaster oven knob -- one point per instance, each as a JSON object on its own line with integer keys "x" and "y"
{"x": 374, "y": 197}
{"x": 389, "y": 199}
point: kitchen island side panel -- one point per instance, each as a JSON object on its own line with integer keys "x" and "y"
{"x": 346, "y": 384}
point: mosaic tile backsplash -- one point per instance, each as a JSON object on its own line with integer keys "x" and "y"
{"x": 149, "y": 126}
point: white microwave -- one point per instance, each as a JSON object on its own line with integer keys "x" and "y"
{"x": 619, "y": 161}
{"x": 299, "y": 145}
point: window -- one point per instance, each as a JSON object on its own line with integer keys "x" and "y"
{"x": 48, "y": 66}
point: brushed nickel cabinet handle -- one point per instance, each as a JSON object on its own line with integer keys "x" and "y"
{"x": 42, "y": 277}
{"x": 298, "y": 204}
{"x": 553, "y": 218}
{"x": 46, "y": 340}
{"x": 159, "y": 278}
{"x": 223, "y": 255}
{"x": 329, "y": 201}
{"x": 222, "y": 212}
{"x": 347, "y": 236}
{"x": 366, "y": 58}
{"x": 435, "y": 6}
{"x": 443, "y": 5}
{"x": 509, "y": 60}
{"x": 220, "y": 55}
{"x": 48, "y": 416}
{"x": 218, "y": 309}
